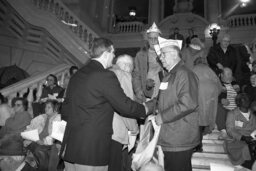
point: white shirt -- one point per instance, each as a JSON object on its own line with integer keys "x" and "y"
{"x": 246, "y": 115}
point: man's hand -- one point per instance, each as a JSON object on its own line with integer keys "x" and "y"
{"x": 150, "y": 84}
{"x": 140, "y": 97}
{"x": 150, "y": 106}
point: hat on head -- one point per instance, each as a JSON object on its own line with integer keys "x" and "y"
{"x": 197, "y": 42}
{"x": 11, "y": 145}
{"x": 154, "y": 29}
{"x": 165, "y": 43}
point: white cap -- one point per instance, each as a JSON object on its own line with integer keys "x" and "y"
{"x": 169, "y": 42}
{"x": 154, "y": 29}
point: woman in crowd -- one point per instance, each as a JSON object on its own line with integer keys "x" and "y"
{"x": 19, "y": 120}
{"x": 43, "y": 123}
{"x": 240, "y": 124}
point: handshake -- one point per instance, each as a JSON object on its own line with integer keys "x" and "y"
{"x": 150, "y": 107}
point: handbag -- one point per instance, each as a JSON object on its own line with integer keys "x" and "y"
{"x": 147, "y": 146}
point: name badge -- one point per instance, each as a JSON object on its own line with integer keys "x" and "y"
{"x": 239, "y": 123}
{"x": 163, "y": 85}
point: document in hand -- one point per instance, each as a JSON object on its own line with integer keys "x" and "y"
{"x": 58, "y": 129}
{"x": 31, "y": 135}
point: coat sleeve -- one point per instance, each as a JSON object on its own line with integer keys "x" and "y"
{"x": 187, "y": 103}
{"x": 120, "y": 102}
{"x": 230, "y": 126}
{"x": 137, "y": 80}
{"x": 212, "y": 58}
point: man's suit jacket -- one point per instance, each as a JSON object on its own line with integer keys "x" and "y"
{"x": 92, "y": 96}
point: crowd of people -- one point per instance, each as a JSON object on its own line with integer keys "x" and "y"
{"x": 186, "y": 89}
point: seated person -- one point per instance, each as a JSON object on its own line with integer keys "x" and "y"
{"x": 240, "y": 124}
{"x": 12, "y": 155}
{"x": 251, "y": 88}
{"x": 52, "y": 89}
{"x": 21, "y": 118}
{"x": 43, "y": 123}
{"x": 226, "y": 99}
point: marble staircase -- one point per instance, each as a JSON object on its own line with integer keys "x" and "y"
{"x": 213, "y": 152}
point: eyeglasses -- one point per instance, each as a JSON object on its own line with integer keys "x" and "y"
{"x": 17, "y": 104}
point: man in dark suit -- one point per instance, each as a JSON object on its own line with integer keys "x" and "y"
{"x": 93, "y": 94}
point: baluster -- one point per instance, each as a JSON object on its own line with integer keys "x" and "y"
{"x": 30, "y": 99}
{"x": 66, "y": 17}
{"x": 251, "y": 21}
{"x": 80, "y": 31}
{"x": 71, "y": 22}
{"x": 22, "y": 92}
{"x": 10, "y": 97}
{"x": 85, "y": 35}
{"x": 36, "y": 2}
{"x": 62, "y": 78}
{"x": 46, "y": 5}
{"x": 61, "y": 15}
{"x": 57, "y": 10}
{"x": 76, "y": 27}
{"x": 243, "y": 23}
{"x": 51, "y": 6}
{"x": 39, "y": 91}
{"x": 90, "y": 40}
{"x": 40, "y": 4}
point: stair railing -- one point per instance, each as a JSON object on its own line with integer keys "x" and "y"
{"x": 34, "y": 83}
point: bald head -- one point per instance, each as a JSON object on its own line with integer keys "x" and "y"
{"x": 5, "y": 113}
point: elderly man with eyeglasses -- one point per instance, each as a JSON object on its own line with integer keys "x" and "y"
{"x": 177, "y": 109}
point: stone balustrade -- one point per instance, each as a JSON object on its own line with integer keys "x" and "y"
{"x": 129, "y": 27}
{"x": 247, "y": 20}
{"x": 66, "y": 16}
{"x": 34, "y": 83}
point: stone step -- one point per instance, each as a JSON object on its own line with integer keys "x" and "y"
{"x": 203, "y": 160}
{"x": 199, "y": 169}
{"x": 213, "y": 146}
{"x": 213, "y": 136}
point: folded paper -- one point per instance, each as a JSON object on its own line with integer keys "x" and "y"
{"x": 31, "y": 135}
{"x": 58, "y": 129}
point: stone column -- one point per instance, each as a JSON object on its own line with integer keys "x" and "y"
{"x": 105, "y": 18}
{"x": 154, "y": 12}
{"x": 212, "y": 10}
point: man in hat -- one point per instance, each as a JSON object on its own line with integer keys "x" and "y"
{"x": 12, "y": 154}
{"x": 177, "y": 109}
{"x": 146, "y": 79}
